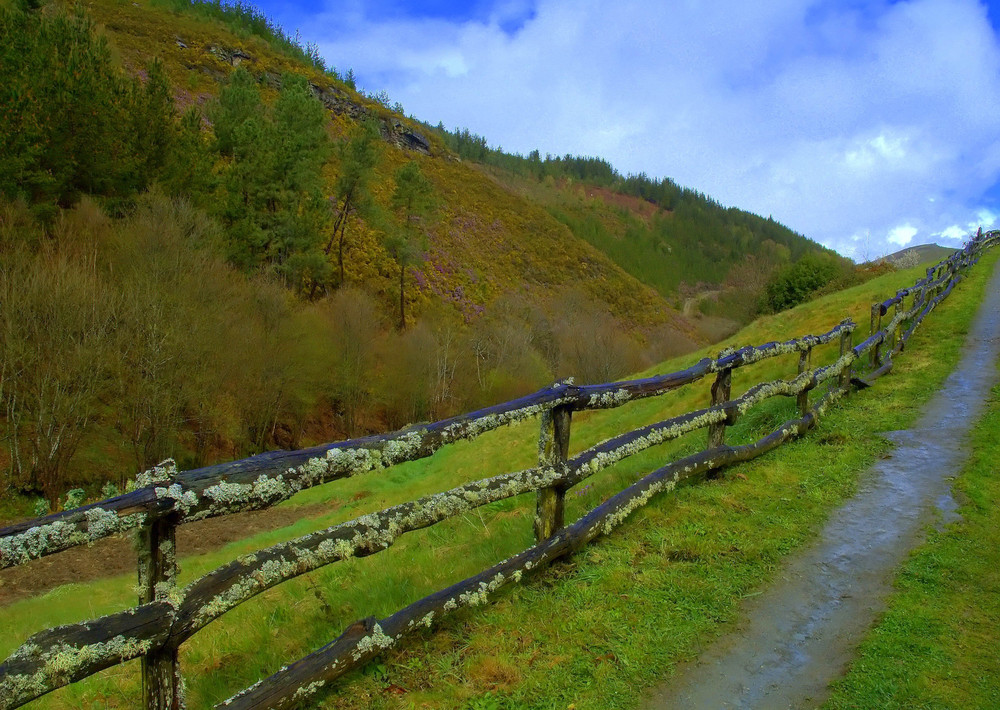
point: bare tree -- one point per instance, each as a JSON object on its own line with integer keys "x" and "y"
{"x": 353, "y": 327}
{"x": 58, "y": 323}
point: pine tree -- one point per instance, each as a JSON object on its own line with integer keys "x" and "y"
{"x": 238, "y": 102}
{"x": 70, "y": 121}
{"x": 352, "y": 197}
{"x": 154, "y": 124}
{"x": 188, "y": 171}
{"x": 272, "y": 204}
{"x": 303, "y": 149}
{"x": 412, "y": 200}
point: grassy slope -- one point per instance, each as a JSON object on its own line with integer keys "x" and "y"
{"x": 697, "y": 243}
{"x": 592, "y": 631}
{"x": 618, "y": 225}
{"x": 487, "y": 240}
{"x": 936, "y": 645}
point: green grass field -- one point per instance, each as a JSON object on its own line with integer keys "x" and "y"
{"x": 591, "y": 632}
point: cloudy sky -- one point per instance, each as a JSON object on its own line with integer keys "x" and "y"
{"x": 866, "y": 125}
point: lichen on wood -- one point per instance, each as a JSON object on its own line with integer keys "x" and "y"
{"x": 347, "y": 652}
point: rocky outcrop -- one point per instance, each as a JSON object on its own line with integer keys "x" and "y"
{"x": 233, "y": 56}
{"x": 410, "y": 139}
{"x": 393, "y": 130}
{"x": 340, "y": 102}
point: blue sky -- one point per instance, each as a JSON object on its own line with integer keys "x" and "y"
{"x": 864, "y": 125}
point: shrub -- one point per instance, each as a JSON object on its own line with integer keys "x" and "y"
{"x": 797, "y": 282}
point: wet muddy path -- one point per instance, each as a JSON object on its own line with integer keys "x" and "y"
{"x": 800, "y": 634}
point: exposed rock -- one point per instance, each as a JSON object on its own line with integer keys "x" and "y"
{"x": 233, "y": 56}
{"x": 393, "y": 131}
{"x": 340, "y": 103}
{"x": 408, "y": 138}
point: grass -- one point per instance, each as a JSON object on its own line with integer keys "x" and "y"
{"x": 592, "y": 631}
{"x": 935, "y": 647}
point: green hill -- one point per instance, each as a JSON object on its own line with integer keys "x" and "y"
{"x": 920, "y": 254}
{"x": 665, "y": 235}
{"x": 227, "y": 232}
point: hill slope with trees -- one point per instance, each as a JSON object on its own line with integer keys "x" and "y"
{"x": 213, "y": 245}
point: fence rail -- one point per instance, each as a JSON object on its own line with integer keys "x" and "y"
{"x": 167, "y": 615}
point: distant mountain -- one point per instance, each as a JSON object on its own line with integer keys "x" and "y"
{"x": 921, "y": 254}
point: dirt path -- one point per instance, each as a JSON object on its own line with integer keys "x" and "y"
{"x": 801, "y": 633}
{"x": 116, "y": 555}
{"x": 690, "y": 304}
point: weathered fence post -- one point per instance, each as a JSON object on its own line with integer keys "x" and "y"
{"x": 876, "y": 356}
{"x": 897, "y": 334}
{"x": 553, "y": 449}
{"x": 161, "y": 678}
{"x": 721, "y": 391}
{"x": 805, "y": 361}
{"x": 846, "y": 343}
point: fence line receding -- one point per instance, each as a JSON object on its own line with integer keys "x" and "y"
{"x": 167, "y": 615}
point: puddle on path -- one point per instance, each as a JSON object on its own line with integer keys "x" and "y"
{"x": 800, "y": 634}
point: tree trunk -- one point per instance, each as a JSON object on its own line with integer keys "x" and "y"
{"x": 340, "y": 256}
{"x": 402, "y": 302}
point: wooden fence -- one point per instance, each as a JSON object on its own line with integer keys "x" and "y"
{"x": 168, "y": 615}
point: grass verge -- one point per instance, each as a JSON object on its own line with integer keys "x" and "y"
{"x": 935, "y": 647}
{"x": 591, "y": 632}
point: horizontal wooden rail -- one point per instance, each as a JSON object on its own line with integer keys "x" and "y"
{"x": 267, "y": 479}
{"x": 167, "y": 615}
{"x": 368, "y": 638}
{"x": 166, "y": 623}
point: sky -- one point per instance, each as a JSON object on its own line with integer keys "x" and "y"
{"x": 865, "y": 125}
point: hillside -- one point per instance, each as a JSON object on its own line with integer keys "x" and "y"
{"x": 485, "y": 241}
{"x": 242, "y": 252}
{"x": 663, "y": 235}
{"x": 670, "y": 237}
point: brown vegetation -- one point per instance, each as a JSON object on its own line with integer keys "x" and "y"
{"x": 127, "y": 341}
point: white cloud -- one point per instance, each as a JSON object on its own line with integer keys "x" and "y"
{"x": 952, "y": 233}
{"x": 986, "y": 218}
{"x": 902, "y": 235}
{"x": 837, "y": 120}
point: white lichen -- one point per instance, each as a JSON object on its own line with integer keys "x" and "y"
{"x": 307, "y": 690}
{"x": 480, "y": 596}
{"x": 618, "y": 516}
{"x": 183, "y": 500}
{"x": 163, "y": 471}
{"x": 609, "y": 400}
{"x": 39, "y": 541}
{"x": 373, "y": 642}
{"x": 60, "y": 664}
{"x": 101, "y": 523}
